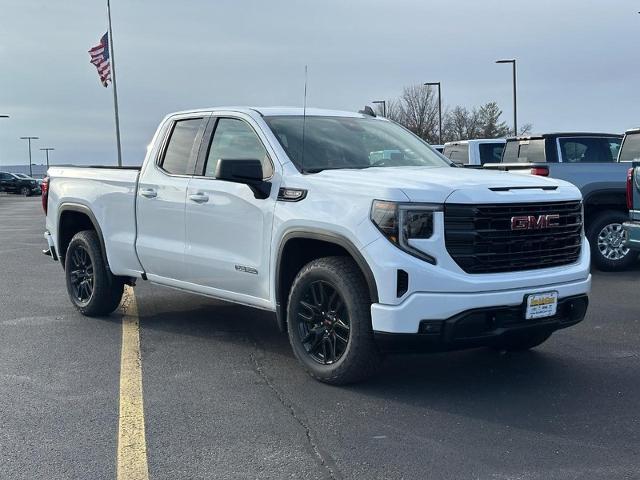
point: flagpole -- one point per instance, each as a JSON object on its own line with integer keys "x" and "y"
{"x": 115, "y": 89}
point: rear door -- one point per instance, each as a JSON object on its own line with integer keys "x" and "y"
{"x": 228, "y": 230}
{"x": 161, "y": 196}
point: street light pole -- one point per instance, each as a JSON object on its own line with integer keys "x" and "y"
{"x": 515, "y": 101}
{"x": 433, "y": 84}
{"x": 29, "y": 140}
{"x": 384, "y": 106}
{"x": 46, "y": 151}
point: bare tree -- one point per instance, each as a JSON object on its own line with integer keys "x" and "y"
{"x": 419, "y": 111}
{"x": 461, "y": 124}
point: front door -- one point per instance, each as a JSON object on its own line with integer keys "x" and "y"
{"x": 161, "y": 200}
{"x": 228, "y": 230}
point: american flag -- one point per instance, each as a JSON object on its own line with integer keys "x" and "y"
{"x": 100, "y": 58}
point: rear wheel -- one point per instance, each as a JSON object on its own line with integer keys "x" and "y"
{"x": 522, "y": 342}
{"x": 607, "y": 239}
{"x": 329, "y": 322}
{"x": 93, "y": 290}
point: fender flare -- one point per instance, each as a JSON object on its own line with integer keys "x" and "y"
{"x": 80, "y": 208}
{"x": 328, "y": 237}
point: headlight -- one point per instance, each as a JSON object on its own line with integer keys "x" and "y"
{"x": 401, "y": 222}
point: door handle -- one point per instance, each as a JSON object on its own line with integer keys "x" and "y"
{"x": 199, "y": 197}
{"x": 148, "y": 193}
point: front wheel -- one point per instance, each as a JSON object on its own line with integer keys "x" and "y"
{"x": 92, "y": 288}
{"x": 25, "y": 191}
{"x": 607, "y": 239}
{"x": 329, "y": 322}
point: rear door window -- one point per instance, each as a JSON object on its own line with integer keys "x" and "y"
{"x": 180, "y": 152}
{"x": 630, "y": 151}
{"x": 588, "y": 149}
{"x": 490, "y": 152}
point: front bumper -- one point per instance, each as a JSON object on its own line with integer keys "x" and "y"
{"x": 407, "y": 316}
{"x": 481, "y": 327}
{"x": 633, "y": 234}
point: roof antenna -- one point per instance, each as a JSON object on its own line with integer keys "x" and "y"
{"x": 304, "y": 116}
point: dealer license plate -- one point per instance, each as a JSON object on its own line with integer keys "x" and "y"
{"x": 540, "y": 305}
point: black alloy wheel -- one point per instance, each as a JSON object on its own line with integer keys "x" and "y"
{"x": 81, "y": 275}
{"x": 323, "y": 323}
{"x": 329, "y": 321}
{"x": 25, "y": 191}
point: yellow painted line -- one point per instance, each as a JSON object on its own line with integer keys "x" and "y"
{"x": 132, "y": 446}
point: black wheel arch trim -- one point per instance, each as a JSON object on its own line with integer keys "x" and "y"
{"x": 329, "y": 237}
{"x": 80, "y": 208}
{"x": 616, "y": 193}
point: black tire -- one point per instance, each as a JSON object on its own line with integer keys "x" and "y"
{"x": 334, "y": 361}
{"x": 25, "y": 191}
{"x": 521, "y": 341}
{"x": 93, "y": 290}
{"x": 607, "y": 252}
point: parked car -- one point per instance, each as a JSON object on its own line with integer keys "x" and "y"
{"x": 27, "y": 177}
{"x": 354, "y": 257}
{"x": 439, "y": 148}
{"x": 474, "y": 152}
{"x": 630, "y": 152}
{"x": 13, "y": 183}
{"x": 589, "y": 161}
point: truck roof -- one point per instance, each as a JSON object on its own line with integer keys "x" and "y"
{"x": 277, "y": 111}
{"x": 564, "y": 134}
{"x": 477, "y": 140}
{"x": 632, "y": 130}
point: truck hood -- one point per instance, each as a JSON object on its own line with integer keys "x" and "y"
{"x": 458, "y": 185}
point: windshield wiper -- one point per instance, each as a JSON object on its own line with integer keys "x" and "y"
{"x": 320, "y": 169}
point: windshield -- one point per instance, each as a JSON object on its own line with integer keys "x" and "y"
{"x": 348, "y": 142}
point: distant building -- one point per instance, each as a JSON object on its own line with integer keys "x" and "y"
{"x": 39, "y": 171}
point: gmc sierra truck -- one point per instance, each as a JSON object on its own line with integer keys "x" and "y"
{"x": 359, "y": 236}
{"x": 589, "y": 161}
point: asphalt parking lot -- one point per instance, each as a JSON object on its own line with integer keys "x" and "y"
{"x": 224, "y": 397}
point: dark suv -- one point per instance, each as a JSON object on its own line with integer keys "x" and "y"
{"x": 12, "y": 183}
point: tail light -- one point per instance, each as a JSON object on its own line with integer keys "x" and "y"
{"x": 45, "y": 194}
{"x": 541, "y": 171}
{"x": 630, "y": 189}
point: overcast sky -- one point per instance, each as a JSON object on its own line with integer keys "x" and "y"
{"x": 577, "y": 62}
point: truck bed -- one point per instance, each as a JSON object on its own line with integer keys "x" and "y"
{"x": 109, "y": 193}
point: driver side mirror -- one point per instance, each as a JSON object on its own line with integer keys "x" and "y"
{"x": 247, "y": 171}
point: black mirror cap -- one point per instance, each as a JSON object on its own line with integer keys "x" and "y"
{"x": 247, "y": 171}
{"x": 239, "y": 170}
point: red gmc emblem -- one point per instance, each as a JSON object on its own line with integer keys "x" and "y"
{"x": 531, "y": 222}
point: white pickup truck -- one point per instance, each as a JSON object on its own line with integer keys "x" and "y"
{"x": 354, "y": 232}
